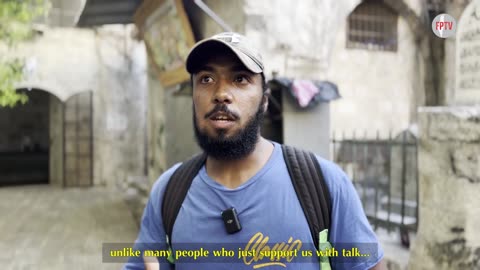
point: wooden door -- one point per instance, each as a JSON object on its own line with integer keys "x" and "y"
{"x": 78, "y": 141}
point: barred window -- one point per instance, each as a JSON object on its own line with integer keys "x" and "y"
{"x": 372, "y": 26}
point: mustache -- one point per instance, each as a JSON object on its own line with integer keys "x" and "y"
{"x": 221, "y": 108}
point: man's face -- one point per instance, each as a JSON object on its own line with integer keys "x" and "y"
{"x": 228, "y": 107}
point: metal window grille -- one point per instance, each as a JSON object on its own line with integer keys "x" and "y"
{"x": 385, "y": 175}
{"x": 372, "y": 26}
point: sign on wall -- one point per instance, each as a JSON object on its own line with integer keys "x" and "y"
{"x": 467, "y": 90}
{"x": 164, "y": 26}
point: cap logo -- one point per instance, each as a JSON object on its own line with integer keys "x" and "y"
{"x": 235, "y": 39}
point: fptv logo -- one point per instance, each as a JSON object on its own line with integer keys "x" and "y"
{"x": 444, "y": 26}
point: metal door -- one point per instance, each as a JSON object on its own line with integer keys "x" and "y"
{"x": 78, "y": 141}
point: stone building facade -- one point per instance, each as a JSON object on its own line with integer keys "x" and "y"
{"x": 449, "y": 154}
{"x": 380, "y": 89}
{"x": 448, "y": 236}
{"x": 92, "y": 84}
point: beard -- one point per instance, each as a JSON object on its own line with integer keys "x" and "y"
{"x": 235, "y": 147}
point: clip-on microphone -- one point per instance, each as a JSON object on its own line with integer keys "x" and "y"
{"x": 231, "y": 221}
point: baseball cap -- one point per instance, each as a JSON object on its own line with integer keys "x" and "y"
{"x": 237, "y": 43}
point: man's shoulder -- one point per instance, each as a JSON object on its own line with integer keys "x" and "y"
{"x": 161, "y": 183}
{"x": 334, "y": 176}
{"x": 336, "y": 179}
{"x": 329, "y": 168}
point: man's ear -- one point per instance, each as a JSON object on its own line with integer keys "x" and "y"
{"x": 266, "y": 94}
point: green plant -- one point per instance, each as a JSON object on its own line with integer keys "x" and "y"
{"x": 16, "y": 17}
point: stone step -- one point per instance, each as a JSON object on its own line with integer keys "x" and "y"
{"x": 396, "y": 206}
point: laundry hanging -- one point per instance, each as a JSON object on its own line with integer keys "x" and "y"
{"x": 307, "y": 93}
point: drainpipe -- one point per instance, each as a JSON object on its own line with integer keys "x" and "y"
{"x": 213, "y": 15}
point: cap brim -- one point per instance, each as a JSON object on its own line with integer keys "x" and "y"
{"x": 194, "y": 58}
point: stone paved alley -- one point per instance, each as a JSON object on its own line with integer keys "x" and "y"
{"x": 44, "y": 227}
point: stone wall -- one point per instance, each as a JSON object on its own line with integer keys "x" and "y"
{"x": 119, "y": 106}
{"x": 61, "y": 61}
{"x": 380, "y": 90}
{"x": 449, "y": 184}
{"x": 179, "y": 124}
{"x": 156, "y": 128}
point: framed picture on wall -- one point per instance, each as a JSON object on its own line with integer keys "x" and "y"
{"x": 164, "y": 26}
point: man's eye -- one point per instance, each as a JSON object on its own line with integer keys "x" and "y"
{"x": 206, "y": 79}
{"x": 241, "y": 79}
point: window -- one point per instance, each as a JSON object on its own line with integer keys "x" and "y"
{"x": 372, "y": 26}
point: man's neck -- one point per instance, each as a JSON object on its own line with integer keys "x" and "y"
{"x": 233, "y": 173}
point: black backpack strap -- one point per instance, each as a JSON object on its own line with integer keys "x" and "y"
{"x": 311, "y": 189}
{"x": 176, "y": 191}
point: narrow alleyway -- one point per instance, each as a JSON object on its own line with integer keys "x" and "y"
{"x": 43, "y": 227}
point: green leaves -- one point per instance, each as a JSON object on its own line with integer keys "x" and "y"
{"x": 10, "y": 98}
{"x": 16, "y": 17}
{"x": 10, "y": 73}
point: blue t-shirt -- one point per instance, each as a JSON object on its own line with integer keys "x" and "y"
{"x": 271, "y": 218}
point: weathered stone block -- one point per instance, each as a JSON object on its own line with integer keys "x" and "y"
{"x": 438, "y": 185}
{"x": 445, "y": 245}
{"x": 450, "y": 123}
{"x": 466, "y": 162}
{"x": 449, "y": 185}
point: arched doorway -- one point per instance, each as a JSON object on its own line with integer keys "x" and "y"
{"x": 24, "y": 140}
{"x": 47, "y": 140}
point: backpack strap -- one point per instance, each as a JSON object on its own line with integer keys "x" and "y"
{"x": 176, "y": 191}
{"x": 311, "y": 189}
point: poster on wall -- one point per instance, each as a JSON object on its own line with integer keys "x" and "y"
{"x": 164, "y": 26}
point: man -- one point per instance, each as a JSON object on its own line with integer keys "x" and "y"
{"x": 245, "y": 171}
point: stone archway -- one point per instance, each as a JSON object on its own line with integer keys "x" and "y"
{"x": 25, "y": 141}
{"x": 47, "y": 140}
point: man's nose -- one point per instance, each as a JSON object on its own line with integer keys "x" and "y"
{"x": 223, "y": 94}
